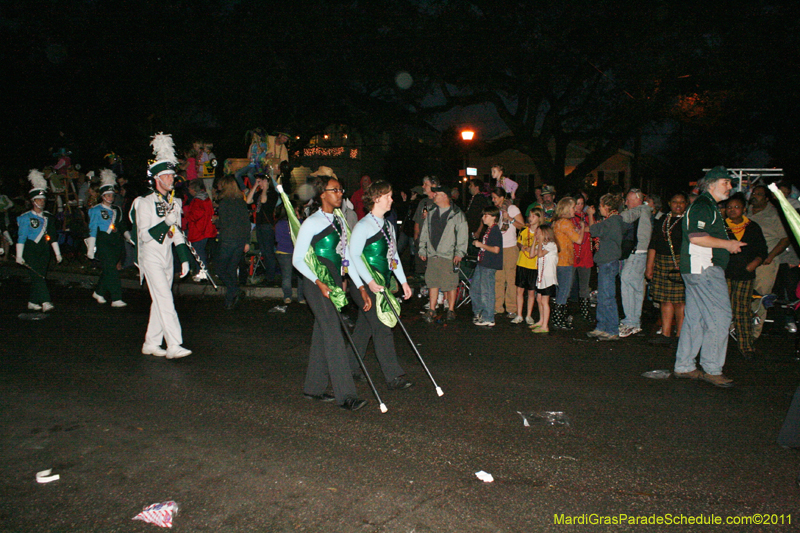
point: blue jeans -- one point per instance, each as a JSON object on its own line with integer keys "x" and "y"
{"x": 287, "y": 273}
{"x": 564, "y": 276}
{"x": 250, "y": 170}
{"x": 265, "y": 234}
{"x": 706, "y": 322}
{"x": 482, "y": 292}
{"x": 227, "y": 263}
{"x": 631, "y": 281}
{"x": 200, "y": 248}
{"x": 607, "y": 312}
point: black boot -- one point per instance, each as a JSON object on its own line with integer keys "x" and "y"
{"x": 567, "y": 316}
{"x": 586, "y": 309}
{"x": 556, "y": 317}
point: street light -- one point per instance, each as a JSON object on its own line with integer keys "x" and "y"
{"x": 466, "y": 135}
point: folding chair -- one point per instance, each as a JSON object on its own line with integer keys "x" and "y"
{"x": 465, "y": 271}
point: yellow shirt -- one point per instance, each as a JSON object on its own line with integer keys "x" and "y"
{"x": 526, "y": 239}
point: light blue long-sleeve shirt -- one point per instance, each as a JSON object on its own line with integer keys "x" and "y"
{"x": 313, "y": 225}
{"x": 364, "y": 230}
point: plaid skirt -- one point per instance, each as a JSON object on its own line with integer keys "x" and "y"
{"x": 663, "y": 288}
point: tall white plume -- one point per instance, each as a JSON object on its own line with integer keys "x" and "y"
{"x": 37, "y": 179}
{"x": 164, "y": 148}
{"x": 107, "y": 177}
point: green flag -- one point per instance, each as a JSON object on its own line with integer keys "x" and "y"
{"x": 385, "y": 299}
{"x": 337, "y": 295}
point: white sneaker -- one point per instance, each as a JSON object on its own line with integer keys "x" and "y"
{"x": 278, "y": 309}
{"x": 287, "y": 301}
{"x": 47, "y": 306}
{"x": 512, "y": 315}
{"x": 176, "y": 352}
{"x": 99, "y": 298}
{"x": 149, "y": 349}
{"x": 627, "y": 331}
{"x": 484, "y": 323}
{"x": 791, "y": 327}
{"x": 529, "y": 320}
{"x": 34, "y": 307}
{"x": 118, "y": 303}
{"x": 518, "y": 320}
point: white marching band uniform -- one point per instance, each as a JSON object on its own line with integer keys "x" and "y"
{"x": 157, "y": 220}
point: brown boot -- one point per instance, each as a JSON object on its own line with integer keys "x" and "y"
{"x": 694, "y": 374}
{"x": 718, "y": 380}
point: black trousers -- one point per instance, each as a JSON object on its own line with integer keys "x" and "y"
{"x": 327, "y": 360}
{"x": 368, "y": 325}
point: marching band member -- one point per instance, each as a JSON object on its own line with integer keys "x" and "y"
{"x": 157, "y": 219}
{"x": 106, "y": 229}
{"x": 325, "y": 233}
{"x": 374, "y": 239}
{"x": 36, "y": 230}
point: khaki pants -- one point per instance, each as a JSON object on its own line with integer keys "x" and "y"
{"x": 504, "y": 288}
{"x": 765, "y": 278}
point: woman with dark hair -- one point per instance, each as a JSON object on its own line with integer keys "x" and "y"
{"x": 233, "y": 224}
{"x": 325, "y": 232}
{"x": 663, "y": 269}
{"x": 505, "y": 292}
{"x": 373, "y": 247}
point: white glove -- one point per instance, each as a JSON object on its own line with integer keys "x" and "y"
{"x": 90, "y": 246}
{"x": 20, "y": 248}
{"x": 127, "y": 236}
{"x": 57, "y": 251}
{"x": 171, "y": 217}
{"x": 184, "y": 269}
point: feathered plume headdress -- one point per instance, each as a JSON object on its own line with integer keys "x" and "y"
{"x": 38, "y": 184}
{"x": 108, "y": 181}
{"x": 164, "y": 152}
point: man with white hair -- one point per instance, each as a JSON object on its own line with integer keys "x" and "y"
{"x": 631, "y": 277}
{"x": 443, "y": 243}
{"x": 705, "y": 252}
{"x": 157, "y": 219}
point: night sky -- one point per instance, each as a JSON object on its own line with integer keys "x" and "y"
{"x": 110, "y": 74}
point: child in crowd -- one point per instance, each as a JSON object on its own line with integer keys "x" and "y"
{"x": 283, "y": 252}
{"x": 547, "y": 279}
{"x": 609, "y": 231}
{"x": 490, "y": 260}
{"x": 525, "y": 279}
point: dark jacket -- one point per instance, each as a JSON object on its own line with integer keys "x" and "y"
{"x": 756, "y": 247}
{"x": 234, "y": 221}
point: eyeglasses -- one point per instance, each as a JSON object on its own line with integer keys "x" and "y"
{"x": 335, "y": 190}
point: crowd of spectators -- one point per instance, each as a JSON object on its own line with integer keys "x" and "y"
{"x": 623, "y": 234}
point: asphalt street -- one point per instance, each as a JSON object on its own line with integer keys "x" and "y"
{"x": 227, "y": 433}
